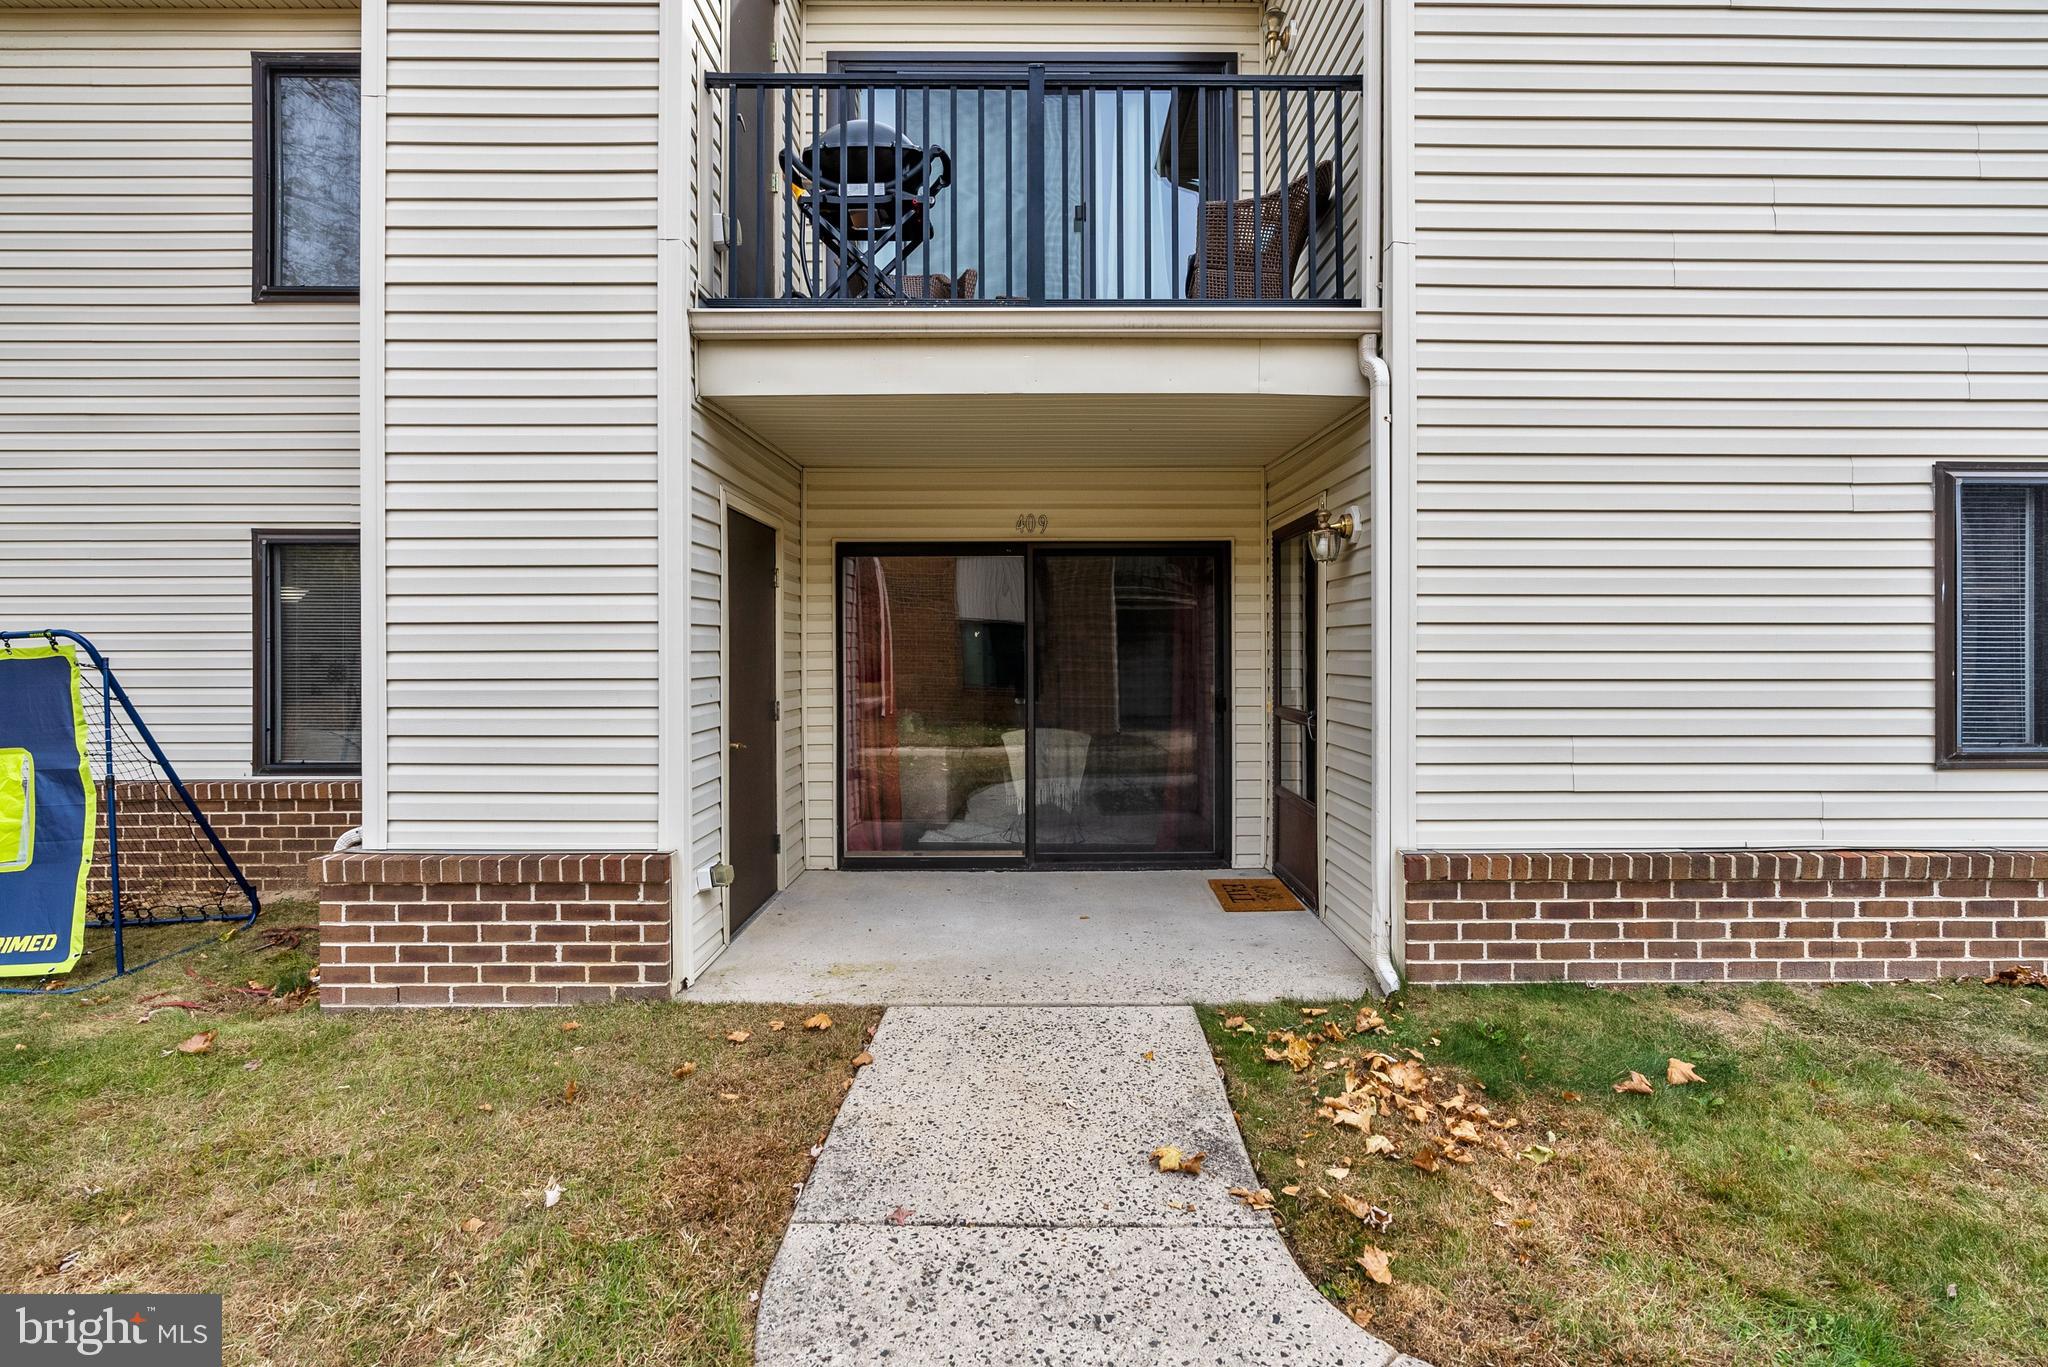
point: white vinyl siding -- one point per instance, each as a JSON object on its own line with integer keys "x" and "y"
{"x": 727, "y": 463}
{"x": 151, "y": 415}
{"x": 520, "y": 482}
{"x": 1703, "y": 291}
{"x": 1083, "y": 503}
{"x": 1012, "y": 26}
{"x": 1329, "y": 40}
{"x": 1334, "y": 472}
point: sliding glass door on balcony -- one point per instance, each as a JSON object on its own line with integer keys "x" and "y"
{"x": 1032, "y": 704}
{"x": 1115, "y": 218}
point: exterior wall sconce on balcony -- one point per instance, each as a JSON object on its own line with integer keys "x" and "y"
{"x": 1279, "y": 31}
{"x": 1331, "y": 535}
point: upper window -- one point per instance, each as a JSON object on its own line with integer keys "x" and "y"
{"x": 309, "y": 653}
{"x": 1993, "y": 526}
{"x": 308, "y": 174}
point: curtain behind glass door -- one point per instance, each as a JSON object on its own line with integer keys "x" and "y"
{"x": 932, "y": 709}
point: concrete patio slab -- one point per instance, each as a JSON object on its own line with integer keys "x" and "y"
{"x": 1085, "y": 938}
{"x": 987, "y": 1198}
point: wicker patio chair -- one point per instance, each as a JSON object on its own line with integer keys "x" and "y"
{"x": 1238, "y": 252}
{"x": 939, "y": 286}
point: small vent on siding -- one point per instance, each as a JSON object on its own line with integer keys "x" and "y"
{"x": 1997, "y": 590}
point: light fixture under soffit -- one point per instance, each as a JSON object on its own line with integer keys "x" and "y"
{"x": 1331, "y": 534}
{"x": 1279, "y": 31}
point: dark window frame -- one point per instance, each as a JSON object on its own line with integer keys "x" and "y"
{"x": 1031, "y": 857}
{"x": 263, "y": 676}
{"x": 1949, "y": 476}
{"x": 265, "y": 68}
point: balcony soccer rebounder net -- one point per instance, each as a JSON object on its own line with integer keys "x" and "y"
{"x": 99, "y": 837}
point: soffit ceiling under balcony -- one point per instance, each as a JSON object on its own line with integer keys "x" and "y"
{"x": 1165, "y": 387}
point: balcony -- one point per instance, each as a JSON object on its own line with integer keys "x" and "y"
{"x": 1045, "y": 188}
{"x": 1035, "y": 263}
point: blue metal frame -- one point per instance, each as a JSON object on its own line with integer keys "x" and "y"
{"x": 111, "y": 692}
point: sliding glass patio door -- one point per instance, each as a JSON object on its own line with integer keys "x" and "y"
{"x": 1042, "y": 704}
{"x": 1125, "y": 168}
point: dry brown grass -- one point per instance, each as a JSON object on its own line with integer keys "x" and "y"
{"x": 1860, "y": 1179}
{"x": 323, "y": 1191}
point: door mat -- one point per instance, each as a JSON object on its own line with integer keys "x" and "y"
{"x": 1254, "y": 894}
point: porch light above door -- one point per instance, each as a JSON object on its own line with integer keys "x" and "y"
{"x": 1326, "y": 541}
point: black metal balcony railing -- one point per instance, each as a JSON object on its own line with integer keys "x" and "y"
{"x": 1024, "y": 190}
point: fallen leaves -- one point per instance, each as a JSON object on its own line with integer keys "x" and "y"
{"x": 2019, "y": 975}
{"x": 739, "y": 1037}
{"x": 1679, "y": 1073}
{"x": 201, "y": 1043}
{"x": 863, "y": 1059}
{"x": 682, "y": 1070}
{"x": 777, "y": 1025}
{"x": 1637, "y": 1085}
{"x": 1172, "y": 1159}
{"x": 1427, "y": 1158}
{"x": 821, "y": 1021}
{"x": 1238, "y": 1025}
{"x": 1377, "y": 1264}
{"x": 567, "y": 1026}
{"x": 901, "y": 1215}
{"x": 1261, "y": 1199}
{"x": 472, "y": 1225}
{"x": 569, "y": 1091}
{"x": 486, "y": 1107}
{"x": 1296, "y": 1053}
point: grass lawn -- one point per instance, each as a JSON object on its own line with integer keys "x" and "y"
{"x": 324, "y": 1172}
{"x": 1861, "y": 1176}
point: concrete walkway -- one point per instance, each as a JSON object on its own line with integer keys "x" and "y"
{"x": 986, "y": 1198}
{"x": 944, "y": 937}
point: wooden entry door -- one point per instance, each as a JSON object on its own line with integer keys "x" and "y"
{"x": 751, "y": 626}
{"x": 1296, "y": 859}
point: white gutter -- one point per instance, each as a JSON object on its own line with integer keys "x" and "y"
{"x": 1386, "y": 870}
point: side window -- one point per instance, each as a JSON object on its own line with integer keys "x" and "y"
{"x": 309, "y": 664}
{"x": 1993, "y": 556}
{"x": 307, "y": 174}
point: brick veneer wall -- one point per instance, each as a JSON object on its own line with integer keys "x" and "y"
{"x": 492, "y": 930}
{"x": 1743, "y": 916}
{"x": 274, "y": 828}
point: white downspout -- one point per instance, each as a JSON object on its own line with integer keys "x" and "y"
{"x": 1385, "y": 869}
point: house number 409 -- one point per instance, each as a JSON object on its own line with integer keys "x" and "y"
{"x": 1030, "y": 524}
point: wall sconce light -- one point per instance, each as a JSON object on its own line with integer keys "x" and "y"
{"x": 1279, "y": 31}
{"x": 1329, "y": 537}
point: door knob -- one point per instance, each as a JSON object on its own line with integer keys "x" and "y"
{"x": 739, "y": 745}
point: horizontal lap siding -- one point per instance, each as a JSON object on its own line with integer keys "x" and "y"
{"x": 151, "y": 415}
{"x": 1082, "y": 504}
{"x": 520, "y": 476}
{"x": 1703, "y": 292}
{"x": 726, "y": 460}
{"x": 1336, "y": 471}
{"x": 1029, "y": 26}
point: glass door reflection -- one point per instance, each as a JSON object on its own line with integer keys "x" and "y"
{"x": 933, "y": 704}
{"x": 1128, "y": 703}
